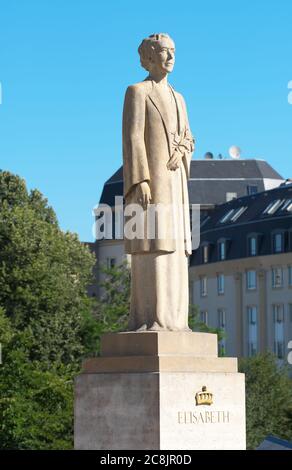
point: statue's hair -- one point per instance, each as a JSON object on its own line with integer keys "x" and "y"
{"x": 147, "y": 47}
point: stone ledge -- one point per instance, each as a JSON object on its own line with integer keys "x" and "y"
{"x": 157, "y": 343}
{"x": 141, "y": 364}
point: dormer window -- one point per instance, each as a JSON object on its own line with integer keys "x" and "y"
{"x": 278, "y": 242}
{"x": 253, "y": 243}
{"x": 205, "y": 253}
{"x": 222, "y": 250}
{"x": 252, "y": 246}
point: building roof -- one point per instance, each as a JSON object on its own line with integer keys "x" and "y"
{"x": 226, "y": 169}
{"x": 274, "y": 443}
{"x": 261, "y": 214}
{"x": 210, "y": 180}
{"x": 255, "y": 205}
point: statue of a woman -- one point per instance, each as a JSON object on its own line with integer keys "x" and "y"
{"x": 157, "y": 150}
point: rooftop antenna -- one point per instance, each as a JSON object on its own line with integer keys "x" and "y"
{"x": 234, "y": 152}
{"x": 209, "y": 156}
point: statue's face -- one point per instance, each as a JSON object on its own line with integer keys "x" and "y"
{"x": 163, "y": 57}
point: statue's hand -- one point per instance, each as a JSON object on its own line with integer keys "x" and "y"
{"x": 175, "y": 161}
{"x": 143, "y": 194}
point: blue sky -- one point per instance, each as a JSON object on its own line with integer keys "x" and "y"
{"x": 65, "y": 65}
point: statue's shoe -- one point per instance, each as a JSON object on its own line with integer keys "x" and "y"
{"x": 156, "y": 327}
{"x": 142, "y": 328}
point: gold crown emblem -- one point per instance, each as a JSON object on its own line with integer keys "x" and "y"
{"x": 204, "y": 397}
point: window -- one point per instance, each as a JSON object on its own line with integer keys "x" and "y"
{"x": 204, "y": 317}
{"x": 290, "y": 239}
{"x": 251, "y": 280}
{"x": 278, "y": 245}
{"x": 222, "y": 250}
{"x": 227, "y": 216}
{"x": 252, "y": 189}
{"x": 230, "y": 196}
{"x": 203, "y": 286}
{"x": 220, "y": 284}
{"x": 205, "y": 253}
{"x": 252, "y": 246}
{"x": 290, "y": 275}
{"x": 237, "y": 214}
{"x": 252, "y": 330}
{"x": 221, "y": 318}
{"x": 110, "y": 262}
{"x": 277, "y": 277}
{"x": 222, "y": 325}
{"x": 278, "y": 317}
{"x": 290, "y": 312}
{"x": 232, "y": 215}
{"x": 204, "y": 220}
{"x": 273, "y": 206}
{"x": 287, "y": 206}
{"x": 222, "y": 347}
{"x": 278, "y": 313}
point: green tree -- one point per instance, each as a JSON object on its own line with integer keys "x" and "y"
{"x": 112, "y": 309}
{"x": 44, "y": 273}
{"x": 196, "y": 324}
{"x": 45, "y": 315}
{"x": 268, "y": 399}
{"x": 36, "y": 405}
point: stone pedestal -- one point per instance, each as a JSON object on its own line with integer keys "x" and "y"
{"x": 160, "y": 390}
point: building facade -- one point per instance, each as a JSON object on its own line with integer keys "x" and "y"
{"x": 241, "y": 275}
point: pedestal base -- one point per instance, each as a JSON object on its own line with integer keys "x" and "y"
{"x": 162, "y": 406}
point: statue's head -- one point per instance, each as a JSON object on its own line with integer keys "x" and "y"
{"x": 157, "y": 53}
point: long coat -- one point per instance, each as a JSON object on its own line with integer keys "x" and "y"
{"x": 148, "y": 145}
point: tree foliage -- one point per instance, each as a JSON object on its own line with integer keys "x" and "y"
{"x": 268, "y": 399}
{"x": 196, "y": 324}
{"x": 112, "y": 308}
{"x": 36, "y": 405}
{"x": 44, "y": 312}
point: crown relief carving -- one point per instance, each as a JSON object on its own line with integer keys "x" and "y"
{"x": 204, "y": 397}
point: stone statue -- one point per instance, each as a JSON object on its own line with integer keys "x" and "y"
{"x": 157, "y": 150}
